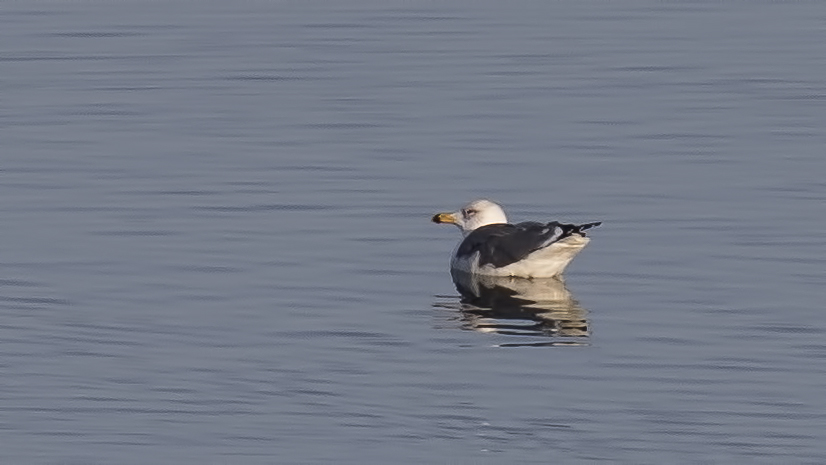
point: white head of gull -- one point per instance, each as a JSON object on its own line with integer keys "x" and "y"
{"x": 494, "y": 247}
{"x": 474, "y": 215}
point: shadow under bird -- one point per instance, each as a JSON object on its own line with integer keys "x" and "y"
{"x": 494, "y": 247}
{"x": 519, "y": 307}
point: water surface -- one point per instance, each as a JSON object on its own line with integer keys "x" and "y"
{"x": 216, "y": 243}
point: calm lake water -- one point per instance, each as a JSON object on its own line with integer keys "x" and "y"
{"x": 216, "y": 244}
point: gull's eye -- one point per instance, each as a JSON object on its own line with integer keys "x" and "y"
{"x": 469, "y": 212}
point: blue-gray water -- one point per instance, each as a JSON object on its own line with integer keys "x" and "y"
{"x": 216, "y": 247}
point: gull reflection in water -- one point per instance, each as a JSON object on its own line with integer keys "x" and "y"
{"x": 519, "y": 307}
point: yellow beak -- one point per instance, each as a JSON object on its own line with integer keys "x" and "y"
{"x": 444, "y": 218}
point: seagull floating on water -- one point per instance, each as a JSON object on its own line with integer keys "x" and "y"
{"x": 493, "y": 247}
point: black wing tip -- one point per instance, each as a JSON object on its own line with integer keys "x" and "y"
{"x": 584, "y": 227}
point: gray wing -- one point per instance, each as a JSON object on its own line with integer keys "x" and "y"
{"x": 503, "y": 244}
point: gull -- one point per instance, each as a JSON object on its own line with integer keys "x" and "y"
{"x": 492, "y": 246}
